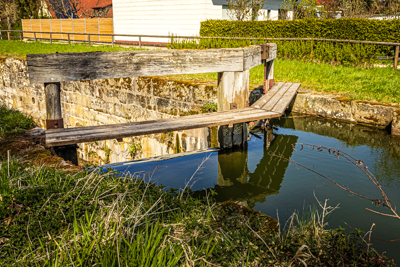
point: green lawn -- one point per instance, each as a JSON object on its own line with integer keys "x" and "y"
{"x": 21, "y": 49}
{"x": 380, "y": 84}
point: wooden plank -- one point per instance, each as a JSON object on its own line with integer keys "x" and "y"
{"x": 278, "y": 95}
{"x": 58, "y": 139}
{"x": 265, "y": 98}
{"x": 126, "y": 126}
{"x": 284, "y": 102}
{"x": 102, "y": 65}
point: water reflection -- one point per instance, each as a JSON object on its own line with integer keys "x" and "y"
{"x": 236, "y": 183}
{"x": 385, "y": 146}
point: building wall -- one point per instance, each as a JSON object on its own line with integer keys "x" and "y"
{"x": 162, "y": 17}
{"x": 166, "y": 17}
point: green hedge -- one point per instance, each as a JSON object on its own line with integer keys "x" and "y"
{"x": 348, "y": 29}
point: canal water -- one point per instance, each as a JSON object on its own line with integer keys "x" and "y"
{"x": 254, "y": 177}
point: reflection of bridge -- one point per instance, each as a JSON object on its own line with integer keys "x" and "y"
{"x": 237, "y": 183}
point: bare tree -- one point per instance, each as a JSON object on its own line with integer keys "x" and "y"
{"x": 68, "y": 8}
{"x": 8, "y": 9}
{"x": 301, "y": 9}
{"x": 244, "y": 9}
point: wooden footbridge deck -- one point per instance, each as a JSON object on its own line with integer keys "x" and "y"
{"x": 232, "y": 66}
{"x": 271, "y": 105}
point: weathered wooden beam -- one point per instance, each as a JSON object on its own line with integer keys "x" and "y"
{"x": 46, "y": 68}
{"x": 61, "y": 137}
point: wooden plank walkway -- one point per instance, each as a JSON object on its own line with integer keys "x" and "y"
{"x": 271, "y": 105}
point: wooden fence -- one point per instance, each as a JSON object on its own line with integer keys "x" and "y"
{"x": 92, "y": 26}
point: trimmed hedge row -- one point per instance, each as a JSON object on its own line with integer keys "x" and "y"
{"x": 343, "y": 53}
{"x": 349, "y": 29}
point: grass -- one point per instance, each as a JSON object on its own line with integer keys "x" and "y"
{"x": 49, "y": 218}
{"x": 21, "y": 49}
{"x": 13, "y": 122}
{"x": 379, "y": 84}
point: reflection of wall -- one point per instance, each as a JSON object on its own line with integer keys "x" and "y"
{"x": 236, "y": 183}
{"x": 387, "y": 162}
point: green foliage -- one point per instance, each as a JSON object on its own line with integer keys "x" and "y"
{"x": 13, "y": 122}
{"x": 134, "y": 148}
{"x": 49, "y": 218}
{"x": 210, "y": 106}
{"x": 344, "y": 53}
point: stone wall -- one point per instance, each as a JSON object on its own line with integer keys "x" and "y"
{"x": 111, "y": 101}
{"x": 342, "y": 108}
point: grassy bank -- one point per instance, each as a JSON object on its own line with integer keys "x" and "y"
{"x": 380, "y": 84}
{"x": 49, "y": 218}
{"x": 52, "y": 218}
{"x": 21, "y": 49}
{"x": 13, "y": 122}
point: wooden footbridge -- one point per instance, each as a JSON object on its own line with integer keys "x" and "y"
{"x": 232, "y": 65}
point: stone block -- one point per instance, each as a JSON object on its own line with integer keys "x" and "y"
{"x": 396, "y": 123}
{"x": 372, "y": 113}
{"x": 323, "y": 105}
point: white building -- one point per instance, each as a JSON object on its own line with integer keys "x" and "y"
{"x": 178, "y": 17}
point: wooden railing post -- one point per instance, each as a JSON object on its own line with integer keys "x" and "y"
{"x": 54, "y": 120}
{"x": 268, "y": 67}
{"x": 20, "y": 36}
{"x": 233, "y": 93}
{"x": 140, "y": 41}
{"x": 8, "y": 36}
{"x": 396, "y": 57}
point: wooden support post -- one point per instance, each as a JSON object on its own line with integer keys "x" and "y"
{"x": 396, "y": 57}
{"x": 140, "y": 41}
{"x": 54, "y": 120}
{"x": 34, "y": 36}
{"x": 20, "y": 36}
{"x": 269, "y": 80}
{"x": 112, "y": 40}
{"x": 69, "y": 40}
{"x": 233, "y": 93}
{"x": 89, "y": 38}
{"x": 8, "y": 36}
{"x": 51, "y": 38}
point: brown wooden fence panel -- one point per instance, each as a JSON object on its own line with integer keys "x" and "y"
{"x": 56, "y": 27}
{"x": 93, "y": 26}
{"x": 45, "y": 26}
{"x": 26, "y": 26}
{"x": 79, "y": 27}
{"x": 66, "y": 26}
{"x": 106, "y": 26}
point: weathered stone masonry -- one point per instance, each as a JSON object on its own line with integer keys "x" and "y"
{"x": 111, "y": 101}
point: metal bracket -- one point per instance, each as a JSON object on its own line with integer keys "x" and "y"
{"x": 55, "y": 124}
{"x": 264, "y": 51}
{"x": 233, "y": 106}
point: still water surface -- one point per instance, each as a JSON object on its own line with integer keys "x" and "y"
{"x": 255, "y": 178}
